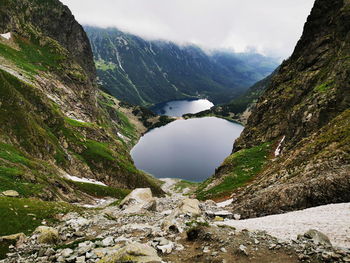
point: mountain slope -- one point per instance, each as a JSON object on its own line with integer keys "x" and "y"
{"x": 239, "y": 109}
{"x": 54, "y": 122}
{"x": 149, "y": 72}
{"x": 299, "y": 130}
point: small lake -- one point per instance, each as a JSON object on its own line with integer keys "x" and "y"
{"x": 177, "y": 108}
{"x": 187, "y": 149}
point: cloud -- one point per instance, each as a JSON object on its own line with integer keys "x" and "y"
{"x": 272, "y": 27}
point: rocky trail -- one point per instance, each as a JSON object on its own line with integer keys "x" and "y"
{"x": 176, "y": 228}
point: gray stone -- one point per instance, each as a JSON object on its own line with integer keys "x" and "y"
{"x": 134, "y": 252}
{"x": 67, "y": 252}
{"x": 318, "y": 237}
{"x": 47, "y": 235}
{"x": 10, "y": 193}
{"x": 243, "y": 249}
{"x": 108, "y": 242}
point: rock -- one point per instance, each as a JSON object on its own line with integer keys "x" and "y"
{"x": 237, "y": 216}
{"x": 164, "y": 245}
{"x": 318, "y": 238}
{"x": 166, "y": 249}
{"x": 10, "y": 193}
{"x": 346, "y": 259}
{"x": 47, "y": 235}
{"x": 134, "y": 252}
{"x": 218, "y": 218}
{"x": 85, "y": 247}
{"x": 77, "y": 223}
{"x": 223, "y": 250}
{"x": 139, "y": 199}
{"x": 206, "y": 250}
{"x": 14, "y": 237}
{"x": 67, "y": 252}
{"x": 108, "y": 242}
{"x": 80, "y": 259}
{"x": 243, "y": 249}
{"x": 190, "y": 206}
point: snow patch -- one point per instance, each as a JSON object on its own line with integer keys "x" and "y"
{"x": 123, "y": 137}
{"x": 6, "y": 35}
{"x": 278, "y": 149}
{"x": 225, "y": 203}
{"x": 332, "y": 220}
{"x": 84, "y": 180}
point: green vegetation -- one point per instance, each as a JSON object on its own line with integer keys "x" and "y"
{"x": 32, "y": 57}
{"x": 100, "y": 190}
{"x": 10, "y": 153}
{"x": 241, "y": 167}
{"x": 103, "y": 65}
{"x": 24, "y": 215}
{"x": 97, "y": 151}
{"x": 324, "y": 87}
{"x": 76, "y": 123}
{"x": 183, "y": 184}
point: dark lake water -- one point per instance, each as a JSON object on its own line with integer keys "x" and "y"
{"x": 177, "y": 108}
{"x": 187, "y": 149}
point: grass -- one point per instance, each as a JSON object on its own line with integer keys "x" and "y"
{"x": 100, "y": 190}
{"x": 242, "y": 166}
{"x": 97, "y": 151}
{"x": 76, "y": 123}
{"x": 324, "y": 87}
{"x": 32, "y": 57}
{"x": 24, "y": 215}
{"x": 183, "y": 184}
{"x": 104, "y": 66}
{"x": 11, "y": 154}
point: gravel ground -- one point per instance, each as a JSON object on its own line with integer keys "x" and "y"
{"x": 333, "y": 220}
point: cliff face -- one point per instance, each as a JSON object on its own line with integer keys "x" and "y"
{"x": 55, "y": 21}
{"x": 54, "y": 120}
{"x": 148, "y": 72}
{"x": 299, "y": 129}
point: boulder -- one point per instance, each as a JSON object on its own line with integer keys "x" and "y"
{"x": 15, "y": 239}
{"x": 318, "y": 238}
{"x": 190, "y": 206}
{"x": 47, "y": 235}
{"x": 134, "y": 252}
{"x": 138, "y": 200}
{"x": 10, "y": 193}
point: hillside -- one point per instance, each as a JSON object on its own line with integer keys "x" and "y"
{"x": 149, "y": 72}
{"x": 55, "y": 124}
{"x": 294, "y": 151}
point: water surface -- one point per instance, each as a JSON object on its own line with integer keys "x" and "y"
{"x": 177, "y": 108}
{"x": 187, "y": 149}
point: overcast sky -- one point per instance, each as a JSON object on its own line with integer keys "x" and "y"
{"x": 271, "y": 27}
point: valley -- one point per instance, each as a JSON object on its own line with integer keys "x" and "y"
{"x": 116, "y": 148}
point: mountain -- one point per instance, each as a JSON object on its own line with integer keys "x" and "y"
{"x": 240, "y": 108}
{"x": 295, "y": 149}
{"x": 56, "y": 126}
{"x": 149, "y": 72}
